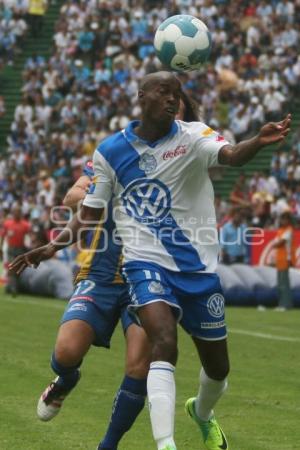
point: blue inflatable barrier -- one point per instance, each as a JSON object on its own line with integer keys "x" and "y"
{"x": 260, "y": 293}
{"x": 295, "y": 285}
{"x": 235, "y": 290}
{"x": 245, "y": 285}
{"x": 52, "y": 279}
{"x": 268, "y": 276}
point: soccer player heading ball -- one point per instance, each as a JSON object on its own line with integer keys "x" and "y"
{"x": 157, "y": 171}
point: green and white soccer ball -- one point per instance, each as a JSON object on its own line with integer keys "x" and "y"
{"x": 183, "y": 43}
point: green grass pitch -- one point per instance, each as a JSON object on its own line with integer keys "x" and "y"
{"x": 259, "y": 412}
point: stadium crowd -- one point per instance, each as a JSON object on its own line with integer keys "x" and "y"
{"x": 87, "y": 90}
{"x": 13, "y": 28}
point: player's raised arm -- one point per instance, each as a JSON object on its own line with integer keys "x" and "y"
{"x": 84, "y": 219}
{"x": 80, "y": 188}
{"x": 244, "y": 151}
{"x": 77, "y": 192}
{"x": 88, "y": 216}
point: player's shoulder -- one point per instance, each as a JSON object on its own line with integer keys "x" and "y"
{"x": 111, "y": 145}
{"x": 195, "y": 128}
{"x": 88, "y": 169}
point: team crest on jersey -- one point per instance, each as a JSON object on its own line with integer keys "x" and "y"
{"x": 155, "y": 287}
{"x": 215, "y": 305}
{"x": 147, "y": 200}
{"x": 147, "y": 163}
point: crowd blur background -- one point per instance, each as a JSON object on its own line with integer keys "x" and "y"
{"x": 87, "y": 90}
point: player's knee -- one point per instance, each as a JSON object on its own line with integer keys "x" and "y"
{"x": 164, "y": 348}
{"x": 138, "y": 368}
{"x": 67, "y": 354}
{"x": 219, "y": 371}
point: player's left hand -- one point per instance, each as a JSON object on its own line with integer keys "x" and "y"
{"x": 31, "y": 259}
{"x": 274, "y": 132}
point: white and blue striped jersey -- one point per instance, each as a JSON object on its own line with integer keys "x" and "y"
{"x": 162, "y": 195}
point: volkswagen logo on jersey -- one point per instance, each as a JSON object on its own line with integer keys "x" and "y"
{"x": 215, "y": 305}
{"x": 147, "y": 200}
{"x": 147, "y": 163}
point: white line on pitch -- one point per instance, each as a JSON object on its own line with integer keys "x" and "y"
{"x": 272, "y": 337}
{"x": 62, "y": 305}
{"x": 26, "y": 301}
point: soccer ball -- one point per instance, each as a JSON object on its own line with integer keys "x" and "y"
{"x": 182, "y": 42}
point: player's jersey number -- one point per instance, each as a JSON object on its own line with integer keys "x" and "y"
{"x": 83, "y": 287}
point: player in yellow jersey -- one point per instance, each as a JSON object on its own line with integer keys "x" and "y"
{"x": 99, "y": 300}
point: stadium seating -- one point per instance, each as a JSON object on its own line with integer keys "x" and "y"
{"x": 95, "y": 55}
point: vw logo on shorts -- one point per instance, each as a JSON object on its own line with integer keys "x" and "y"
{"x": 147, "y": 163}
{"x": 155, "y": 287}
{"x": 147, "y": 200}
{"x": 215, "y": 305}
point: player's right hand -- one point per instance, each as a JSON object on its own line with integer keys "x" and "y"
{"x": 31, "y": 259}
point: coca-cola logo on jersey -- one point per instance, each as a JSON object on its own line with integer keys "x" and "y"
{"x": 179, "y": 151}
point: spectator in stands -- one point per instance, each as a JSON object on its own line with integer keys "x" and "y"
{"x": 8, "y": 45}
{"x": 85, "y": 40}
{"x": 13, "y": 28}
{"x": 278, "y": 171}
{"x": 36, "y": 11}
{"x": 232, "y": 239}
{"x": 21, "y": 6}
{"x": 2, "y": 106}
{"x": 284, "y": 245}
{"x": 240, "y": 123}
{"x": 257, "y": 115}
{"x": 260, "y": 203}
{"x": 14, "y": 231}
{"x": 247, "y": 62}
{"x": 24, "y": 110}
{"x": 221, "y": 207}
{"x": 285, "y": 11}
{"x": 69, "y": 100}
{"x": 279, "y": 206}
{"x": 273, "y": 102}
{"x": 239, "y": 196}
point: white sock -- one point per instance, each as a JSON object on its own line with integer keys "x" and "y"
{"x": 161, "y": 396}
{"x": 209, "y": 393}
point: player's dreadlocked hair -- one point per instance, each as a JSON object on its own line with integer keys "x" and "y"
{"x": 190, "y": 108}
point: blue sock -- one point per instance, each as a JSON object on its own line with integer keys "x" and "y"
{"x": 128, "y": 403}
{"x": 68, "y": 376}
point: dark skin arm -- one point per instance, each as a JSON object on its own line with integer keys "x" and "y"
{"x": 244, "y": 151}
{"x": 77, "y": 192}
{"x": 85, "y": 219}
